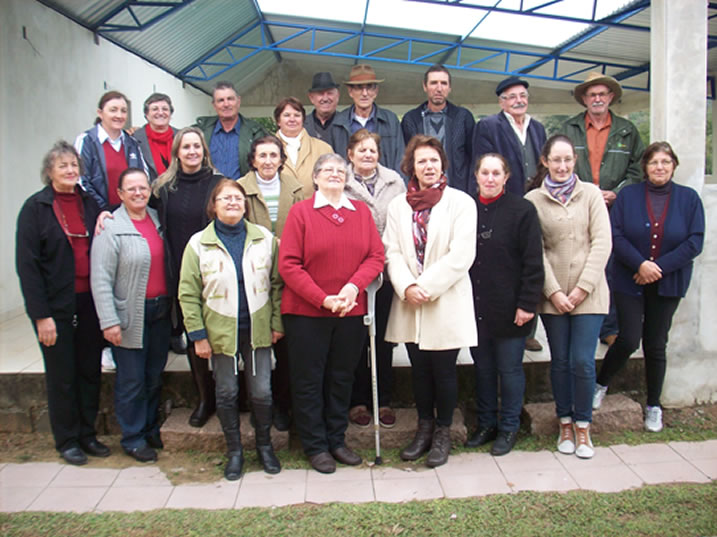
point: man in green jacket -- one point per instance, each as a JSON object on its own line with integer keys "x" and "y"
{"x": 608, "y": 146}
{"x": 229, "y": 134}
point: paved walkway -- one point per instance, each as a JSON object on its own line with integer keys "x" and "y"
{"x": 60, "y": 487}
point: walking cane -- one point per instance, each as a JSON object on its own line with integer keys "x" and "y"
{"x": 370, "y": 320}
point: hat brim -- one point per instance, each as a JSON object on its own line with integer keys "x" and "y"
{"x": 324, "y": 88}
{"x": 608, "y": 81}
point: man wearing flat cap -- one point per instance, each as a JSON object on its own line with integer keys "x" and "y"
{"x": 362, "y": 86}
{"x": 324, "y": 95}
{"x": 511, "y": 133}
{"x": 609, "y": 147}
{"x": 452, "y": 125}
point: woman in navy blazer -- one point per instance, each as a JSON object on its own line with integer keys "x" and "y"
{"x": 658, "y": 229}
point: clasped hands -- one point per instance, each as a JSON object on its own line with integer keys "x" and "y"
{"x": 343, "y": 302}
{"x": 649, "y": 272}
{"x": 567, "y": 303}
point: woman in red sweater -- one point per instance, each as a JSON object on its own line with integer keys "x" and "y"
{"x": 330, "y": 251}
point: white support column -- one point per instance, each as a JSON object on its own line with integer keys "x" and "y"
{"x": 678, "y": 67}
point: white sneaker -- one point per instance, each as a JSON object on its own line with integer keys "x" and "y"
{"x": 108, "y": 361}
{"x": 566, "y": 440}
{"x": 653, "y": 419}
{"x": 599, "y": 395}
{"x": 585, "y": 448}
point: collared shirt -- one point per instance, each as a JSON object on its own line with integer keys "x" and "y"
{"x": 596, "y": 141}
{"x": 522, "y": 135}
{"x": 321, "y": 201}
{"x": 102, "y": 136}
{"x": 224, "y": 149}
{"x": 368, "y": 124}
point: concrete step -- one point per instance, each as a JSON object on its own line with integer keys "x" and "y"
{"x": 617, "y": 413}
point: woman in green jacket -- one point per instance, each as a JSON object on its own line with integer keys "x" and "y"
{"x": 230, "y": 292}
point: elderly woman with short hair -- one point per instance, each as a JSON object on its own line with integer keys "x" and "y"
{"x": 155, "y": 138}
{"x": 330, "y": 251}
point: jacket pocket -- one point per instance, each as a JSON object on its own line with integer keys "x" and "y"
{"x": 122, "y": 313}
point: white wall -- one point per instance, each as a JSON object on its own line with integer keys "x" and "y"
{"x": 50, "y": 84}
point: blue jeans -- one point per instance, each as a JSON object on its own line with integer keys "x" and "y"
{"x": 138, "y": 382}
{"x": 499, "y": 359}
{"x": 573, "y": 340}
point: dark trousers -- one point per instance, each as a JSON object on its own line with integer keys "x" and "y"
{"x": 361, "y": 394}
{"x": 434, "y": 383}
{"x": 648, "y": 317}
{"x": 499, "y": 359}
{"x": 138, "y": 382}
{"x": 609, "y": 324}
{"x": 323, "y": 352}
{"x": 73, "y": 375}
{"x": 280, "y": 384}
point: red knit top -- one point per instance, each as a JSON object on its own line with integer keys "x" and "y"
{"x": 70, "y": 214}
{"x": 116, "y": 164}
{"x": 157, "y": 282}
{"x": 324, "y": 249}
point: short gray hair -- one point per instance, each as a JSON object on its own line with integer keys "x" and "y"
{"x": 323, "y": 159}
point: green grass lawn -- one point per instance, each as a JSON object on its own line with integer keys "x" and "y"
{"x": 669, "y": 510}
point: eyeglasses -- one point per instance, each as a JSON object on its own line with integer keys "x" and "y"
{"x": 230, "y": 198}
{"x": 331, "y": 171}
{"x": 136, "y": 189}
{"x": 362, "y": 87}
{"x": 513, "y": 96}
{"x": 566, "y": 160}
{"x": 601, "y": 94}
{"x": 664, "y": 163}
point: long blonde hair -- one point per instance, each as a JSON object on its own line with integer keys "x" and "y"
{"x": 169, "y": 178}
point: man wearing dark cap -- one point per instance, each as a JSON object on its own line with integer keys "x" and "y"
{"x": 362, "y": 86}
{"x": 452, "y": 125}
{"x": 609, "y": 149}
{"x": 511, "y": 133}
{"x": 324, "y": 95}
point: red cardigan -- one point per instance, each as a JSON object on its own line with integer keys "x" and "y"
{"x": 324, "y": 249}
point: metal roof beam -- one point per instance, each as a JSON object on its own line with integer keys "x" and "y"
{"x": 104, "y": 24}
{"x": 269, "y": 35}
{"x": 359, "y": 49}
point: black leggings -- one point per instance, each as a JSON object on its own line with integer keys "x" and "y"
{"x": 434, "y": 383}
{"x": 648, "y": 316}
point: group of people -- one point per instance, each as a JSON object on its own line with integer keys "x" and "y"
{"x": 258, "y": 249}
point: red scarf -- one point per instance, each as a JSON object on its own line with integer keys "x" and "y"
{"x": 422, "y": 201}
{"x": 160, "y": 143}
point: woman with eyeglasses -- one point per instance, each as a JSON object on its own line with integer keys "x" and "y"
{"x": 330, "y": 252}
{"x": 658, "y": 229}
{"x": 230, "y": 293}
{"x": 54, "y": 232}
{"x": 576, "y": 247}
{"x": 129, "y": 285}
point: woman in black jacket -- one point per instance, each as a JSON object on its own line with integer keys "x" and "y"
{"x": 54, "y": 231}
{"x": 507, "y": 278}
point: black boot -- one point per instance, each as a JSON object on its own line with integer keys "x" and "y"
{"x": 204, "y": 384}
{"x": 421, "y": 442}
{"x": 262, "y": 428}
{"x": 229, "y": 420}
{"x": 440, "y": 447}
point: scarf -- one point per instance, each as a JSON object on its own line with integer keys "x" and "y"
{"x": 160, "y": 143}
{"x": 561, "y": 191}
{"x": 368, "y": 182}
{"x": 292, "y": 146}
{"x": 422, "y": 201}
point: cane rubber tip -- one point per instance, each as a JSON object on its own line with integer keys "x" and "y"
{"x": 378, "y": 460}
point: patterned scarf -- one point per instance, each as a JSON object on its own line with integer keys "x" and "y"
{"x": 561, "y": 191}
{"x": 422, "y": 201}
{"x": 160, "y": 143}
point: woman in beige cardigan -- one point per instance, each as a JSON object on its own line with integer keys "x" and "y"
{"x": 576, "y": 247}
{"x": 301, "y": 149}
{"x": 430, "y": 241}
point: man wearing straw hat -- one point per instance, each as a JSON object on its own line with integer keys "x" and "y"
{"x": 609, "y": 150}
{"x": 362, "y": 86}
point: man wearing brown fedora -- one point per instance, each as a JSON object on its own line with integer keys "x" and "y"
{"x": 362, "y": 86}
{"x": 609, "y": 149}
{"x": 324, "y": 95}
{"x": 608, "y": 146}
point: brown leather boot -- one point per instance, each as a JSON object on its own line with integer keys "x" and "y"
{"x": 204, "y": 384}
{"x": 440, "y": 448}
{"x": 421, "y": 442}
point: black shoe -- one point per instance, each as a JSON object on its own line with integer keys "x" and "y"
{"x": 178, "y": 345}
{"x": 201, "y": 414}
{"x": 504, "y": 443}
{"x": 95, "y": 448}
{"x": 232, "y": 471}
{"x": 421, "y": 442}
{"x": 482, "y": 436}
{"x": 267, "y": 458}
{"x": 142, "y": 454}
{"x": 281, "y": 419}
{"x": 323, "y": 462}
{"x": 74, "y": 455}
{"x": 155, "y": 441}
{"x": 345, "y": 456}
{"x": 440, "y": 447}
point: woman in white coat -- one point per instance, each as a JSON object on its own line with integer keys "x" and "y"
{"x": 430, "y": 241}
